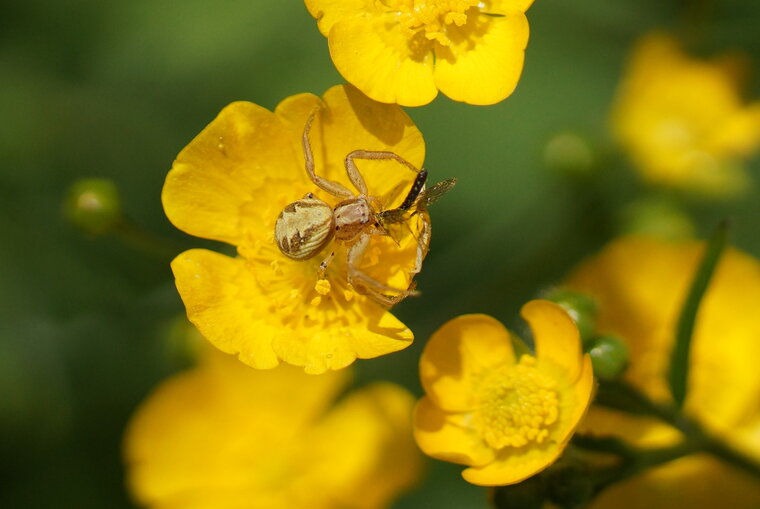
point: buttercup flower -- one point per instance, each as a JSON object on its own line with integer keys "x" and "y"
{"x": 640, "y": 284}
{"x": 231, "y": 183}
{"x": 682, "y": 120}
{"x": 223, "y": 436}
{"x": 404, "y": 51}
{"x": 504, "y": 417}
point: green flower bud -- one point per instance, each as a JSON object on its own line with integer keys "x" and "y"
{"x": 609, "y": 356}
{"x": 183, "y": 343}
{"x": 656, "y": 216}
{"x": 529, "y": 494}
{"x": 569, "y": 484}
{"x": 571, "y": 154}
{"x": 580, "y": 307}
{"x": 93, "y": 205}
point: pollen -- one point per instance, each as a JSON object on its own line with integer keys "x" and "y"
{"x": 323, "y": 287}
{"x": 518, "y": 405}
{"x": 432, "y": 16}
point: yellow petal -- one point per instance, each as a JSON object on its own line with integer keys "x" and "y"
{"x": 456, "y": 353}
{"x": 368, "y": 445}
{"x": 439, "y": 435}
{"x": 218, "y": 292}
{"x": 383, "y": 59}
{"x": 696, "y": 481}
{"x": 574, "y": 403}
{"x": 514, "y": 465}
{"x": 329, "y": 12}
{"x": 485, "y": 59}
{"x": 218, "y": 408}
{"x": 335, "y": 344}
{"x": 556, "y": 337}
{"x": 224, "y": 168}
{"x": 641, "y": 430}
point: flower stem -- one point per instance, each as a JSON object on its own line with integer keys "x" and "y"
{"x": 145, "y": 241}
{"x": 621, "y": 396}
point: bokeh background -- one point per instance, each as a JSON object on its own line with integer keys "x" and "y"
{"x": 116, "y": 89}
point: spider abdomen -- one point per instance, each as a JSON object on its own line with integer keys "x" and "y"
{"x": 303, "y": 228}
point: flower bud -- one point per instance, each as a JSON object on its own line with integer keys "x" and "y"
{"x": 658, "y": 217}
{"x": 182, "y": 342}
{"x": 570, "y": 153}
{"x": 529, "y": 494}
{"x": 569, "y": 484}
{"x": 93, "y": 205}
{"x": 609, "y": 356}
{"x": 580, "y": 307}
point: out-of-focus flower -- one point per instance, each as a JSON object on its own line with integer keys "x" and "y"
{"x": 683, "y": 121}
{"x": 504, "y": 417}
{"x": 231, "y": 183}
{"x": 640, "y": 284}
{"x": 404, "y": 51}
{"x": 224, "y": 436}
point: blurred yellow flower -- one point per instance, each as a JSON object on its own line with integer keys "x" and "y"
{"x": 639, "y": 284}
{"x": 231, "y": 183}
{"x": 224, "y": 436}
{"x": 504, "y": 417}
{"x": 404, "y": 51}
{"x": 683, "y": 121}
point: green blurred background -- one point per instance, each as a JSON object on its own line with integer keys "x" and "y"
{"x": 116, "y": 89}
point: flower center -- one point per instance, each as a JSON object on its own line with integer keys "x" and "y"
{"x": 518, "y": 404}
{"x": 432, "y": 16}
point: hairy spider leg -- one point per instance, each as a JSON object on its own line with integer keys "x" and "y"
{"x": 353, "y": 172}
{"x": 334, "y": 188}
{"x": 369, "y": 286}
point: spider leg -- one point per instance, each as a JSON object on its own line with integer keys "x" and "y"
{"x": 423, "y": 240}
{"x": 334, "y": 188}
{"x": 366, "y": 285}
{"x": 323, "y": 266}
{"x": 353, "y": 172}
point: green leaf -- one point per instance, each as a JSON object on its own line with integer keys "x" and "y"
{"x": 679, "y": 361}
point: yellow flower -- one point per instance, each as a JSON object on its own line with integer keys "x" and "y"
{"x": 506, "y": 418}
{"x": 639, "y": 284}
{"x": 404, "y": 51}
{"x": 224, "y": 436}
{"x": 682, "y": 120}
{"x": 231, "y": 183}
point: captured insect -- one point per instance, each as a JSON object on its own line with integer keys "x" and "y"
{"x": 306, "y": 226}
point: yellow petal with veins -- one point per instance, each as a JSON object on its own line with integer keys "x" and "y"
{"x": 484, "y": 60}
{"x": 381, "y": 58}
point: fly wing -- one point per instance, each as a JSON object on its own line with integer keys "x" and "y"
{"x": 393, "y": 222}
{"x": 434, "y": 193}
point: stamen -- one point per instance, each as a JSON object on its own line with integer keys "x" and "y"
{"x": 323, "y": 287}
{"x": 518, "y": 404}
{"x": 430, "y": 16}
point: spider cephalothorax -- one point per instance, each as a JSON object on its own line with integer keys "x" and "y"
{"x": 306, "y": 226}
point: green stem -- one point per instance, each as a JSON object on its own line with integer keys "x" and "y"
{"x": 641, "y": 460}
{"x": 729, "y": 455}
{"x": 621, "y": 396}
{"x": 679, "y": 361}
{"x": 142, "y": 240}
